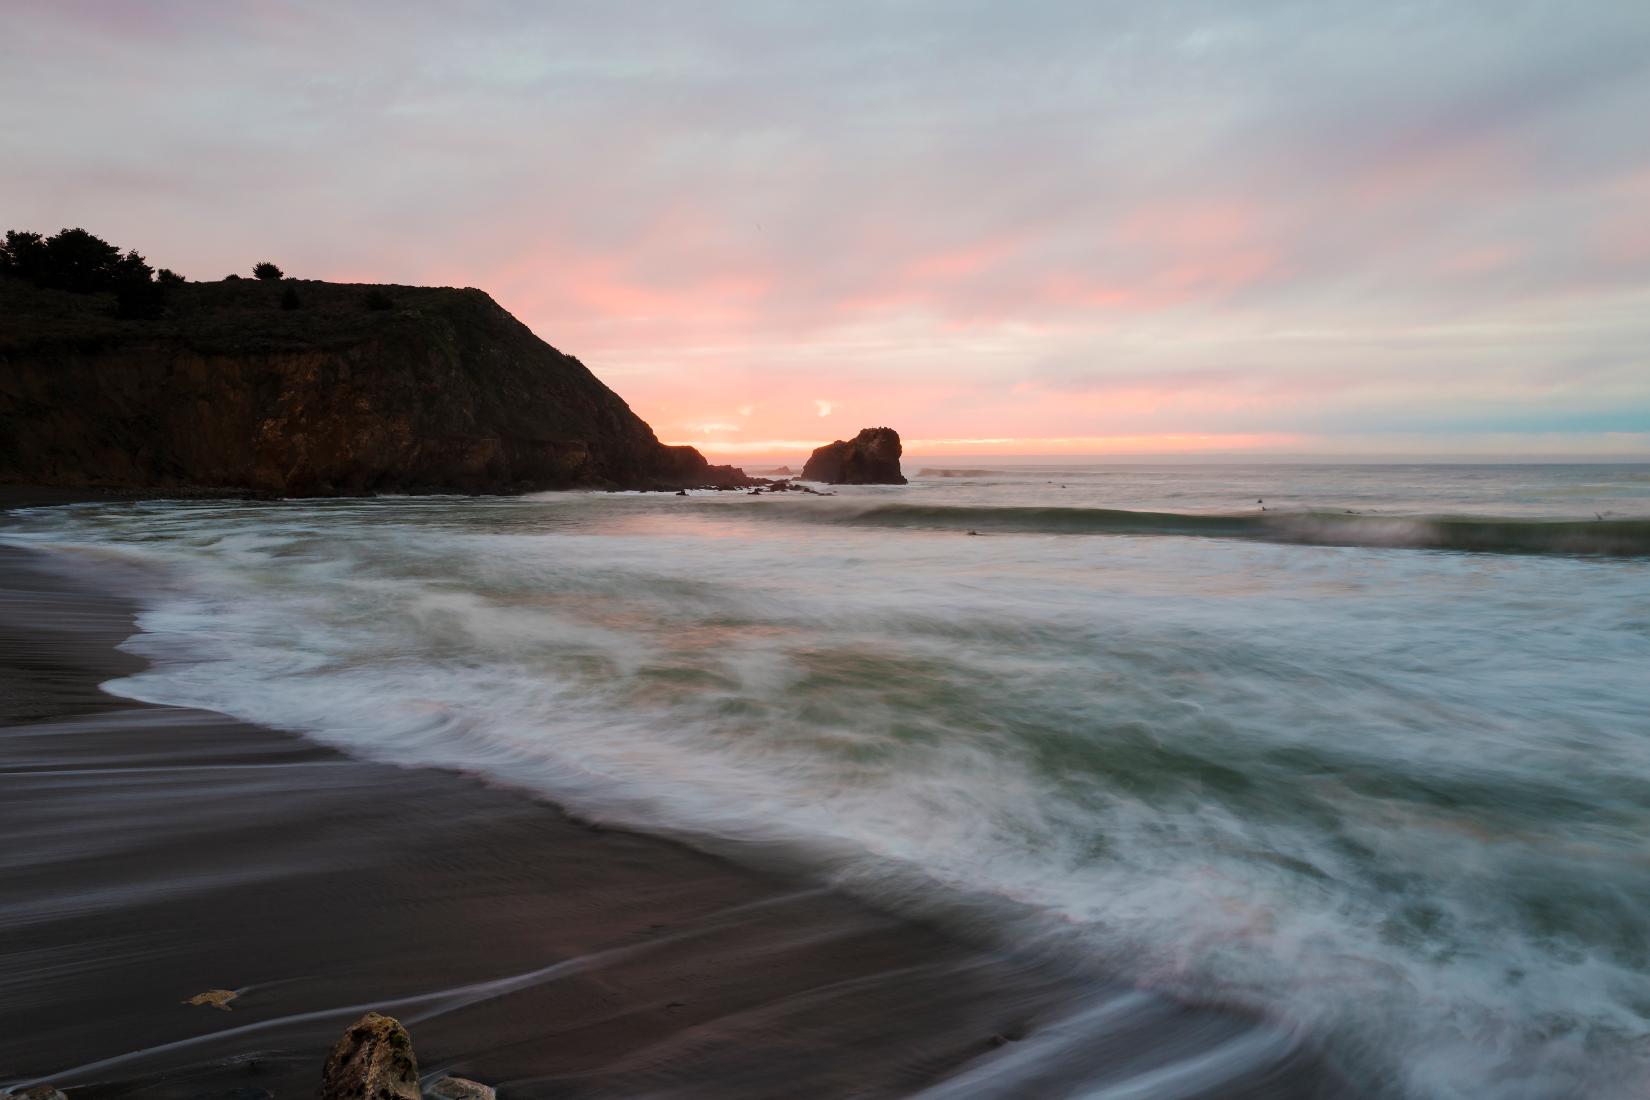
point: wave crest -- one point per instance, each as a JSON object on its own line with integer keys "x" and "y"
{"x": 1606, "y": 537}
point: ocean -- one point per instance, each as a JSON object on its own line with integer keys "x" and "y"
{"x": 1362, "y": 748}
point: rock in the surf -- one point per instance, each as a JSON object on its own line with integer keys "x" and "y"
{"x": 870, "y": 458}
{"x": 38, "y": 1092}
{"x": 460, "y": 1088}
{"x": 214, "y": 998}
{"x": 373, "y": 1061}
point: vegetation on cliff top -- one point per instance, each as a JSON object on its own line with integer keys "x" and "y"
{"x": 76, "y": 261}
{"x": 296, "y": 387}
{"x": 75, "y": 290}
{"x": 79, "y": 262}
{"x": 71, "y": 259}
{"x": 225, "y": 316}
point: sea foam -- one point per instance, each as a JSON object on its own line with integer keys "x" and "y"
{"x": 1395, "y": 799}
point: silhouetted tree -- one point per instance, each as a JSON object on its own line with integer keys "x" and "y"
{"x": 167, "y": 277}
{"x": 231, "y": 278}
{"x": 377, "y": 299}
{"x": 72, "y": 259}
{"x": 75, "y": 260}
{"x": 23, "y": 254}
{"x": 267, "y": 270}
{"x": 289, "y": 298}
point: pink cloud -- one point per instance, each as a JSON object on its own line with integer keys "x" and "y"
{"x": 959, "y": 263}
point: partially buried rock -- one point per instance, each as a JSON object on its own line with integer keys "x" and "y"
{"x": 214, "y": 998}
{"x": 460, "y": 1088}
{"x": 870, "y": 458}
{"x": 373, "y": 1061}
{"x": 37, "y": 1092}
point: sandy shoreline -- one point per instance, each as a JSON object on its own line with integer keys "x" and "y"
{"x": 158, "y": 852}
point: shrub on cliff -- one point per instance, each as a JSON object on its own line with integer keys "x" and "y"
{"x": 267, "y": 270}
{"x": 71, "y": 259}
{"x": 167, "y": 277}
{"x": 22, "y": 254}
{"x": 140, "y": 300}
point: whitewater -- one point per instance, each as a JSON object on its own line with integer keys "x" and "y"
{"x": 1363, "y": 748}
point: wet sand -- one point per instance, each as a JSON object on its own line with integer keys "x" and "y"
{"x": 152, "y": 853}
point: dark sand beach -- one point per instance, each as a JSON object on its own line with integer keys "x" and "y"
{"x": 154, "y": 853}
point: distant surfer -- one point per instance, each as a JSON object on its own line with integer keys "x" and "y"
{"x": 1262, "y": 504}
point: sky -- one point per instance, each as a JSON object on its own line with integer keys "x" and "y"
{"x": 1090, "y": 227}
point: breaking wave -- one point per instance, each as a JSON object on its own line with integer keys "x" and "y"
{"x": 1603, "y": 537}
{"x": 1397, "y": 800}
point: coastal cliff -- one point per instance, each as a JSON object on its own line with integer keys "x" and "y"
{"x": 302, "y": 388}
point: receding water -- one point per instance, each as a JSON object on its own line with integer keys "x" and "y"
{"x": 1398, "y": 797}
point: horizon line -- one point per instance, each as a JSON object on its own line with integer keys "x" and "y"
{"x": 1390, "y": 458}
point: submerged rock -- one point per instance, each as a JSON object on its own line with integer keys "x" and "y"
{"x": 870, "y": 458}
{"x": 460, "y": 1088}
{"x": 373, "y": 1061}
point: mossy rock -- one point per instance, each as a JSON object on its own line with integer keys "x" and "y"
{"x": 373, "y": 1060}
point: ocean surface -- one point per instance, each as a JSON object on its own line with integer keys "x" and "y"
{"x": 1362, "y": 748}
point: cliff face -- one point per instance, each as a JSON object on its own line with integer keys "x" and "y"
{"x": 870, "y": 458}
{"x": 440, "y": 391}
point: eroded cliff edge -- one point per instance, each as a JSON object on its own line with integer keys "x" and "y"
{"x": 355, "y": 389}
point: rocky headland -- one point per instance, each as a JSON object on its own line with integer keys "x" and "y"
{"x": 288, "y": 387}
{"x": 870, "y": 458}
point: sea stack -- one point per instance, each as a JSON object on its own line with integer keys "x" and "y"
{"x": 870, "y": 458}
